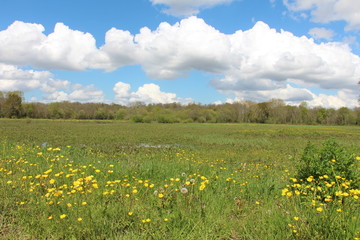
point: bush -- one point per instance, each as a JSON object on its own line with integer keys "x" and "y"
{"x": 332, "y": 160}
{"x": 137, "y": 119}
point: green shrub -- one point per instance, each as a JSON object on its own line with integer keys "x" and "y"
{"x": 332, "y": 160}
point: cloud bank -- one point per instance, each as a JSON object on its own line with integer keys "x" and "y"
{"x": 256, "y": 64}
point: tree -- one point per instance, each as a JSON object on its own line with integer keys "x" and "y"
{"x": 12, "y": 106}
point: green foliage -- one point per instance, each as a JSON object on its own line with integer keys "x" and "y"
{"x": 332, "y": 160}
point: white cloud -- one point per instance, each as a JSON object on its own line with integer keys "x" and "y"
{"x": 346, "y": 98}
{"x": 321, "y": 33}
{"x": 13, "y": 78}
{"x": 187, "y": 7}
{"x": 256, "y": 64}
{"x": 325, "y": 11}
{"x": 148, "y": 93}
{"x": 80, "y": 94}
{"x": 24, "y": 43}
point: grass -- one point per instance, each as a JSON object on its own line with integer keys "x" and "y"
{"x": 119, "y": 180}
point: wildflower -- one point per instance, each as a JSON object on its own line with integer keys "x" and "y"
{"x": 310, "y": 179}
{"x": 62, "y": 216}
{"x": 184, "y": 190}
{"x": 50, "y": 217}
{"x": 296, "y": 218}
{"x": 79, "y": 219}
{"x": 130, "y": 213}
{"x": 52, "y": 181}
{"x": 202, "y": 187}
{"x": 319, "y": 209}
{"x": 69, "y": 205}
{"x": 84, "y": 203}
{"x": 257, "y": 203}
{"x": 339, "y": 210}
{"x": 160, "y": 195}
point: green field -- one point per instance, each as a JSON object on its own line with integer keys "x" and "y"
{"x": 121, "y": 180}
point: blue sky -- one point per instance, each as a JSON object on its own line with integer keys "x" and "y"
{"x": 161, "y": 51}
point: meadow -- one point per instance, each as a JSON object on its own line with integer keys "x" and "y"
{"x": 76, "y": 179}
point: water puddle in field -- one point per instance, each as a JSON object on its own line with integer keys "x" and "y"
{"x": 146, "y": 145}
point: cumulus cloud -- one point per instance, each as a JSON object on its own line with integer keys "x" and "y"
{"x": 76, "y": 94}
{"x": 24, "y": 43}
{"x": 13, "y": 78}
{"x": 258, "y": 64}
{"x": 321, "y": 33}
{"x": 148, "y": 93}
{"x": 187, "y": 7}
{"x": 325, "y": 11}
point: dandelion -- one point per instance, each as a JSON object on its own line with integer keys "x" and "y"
{"x": 79, "y": 219}
{"x": 165, "y": 219}
{"x": 50, "y": 217}
{"x": 296, "y": 218}
{"x": 310, "y": 179}
{"x": 52, "y": 181}
{"x": 160, "y": 195}
{"x": 62, "y": 216}
{"x": 184, "y": 190}
{"x": 84, "y": 203}
{"x": 319, "y": 209}
{"x": 130, "y": 213}
{"x": 257, "y": 203}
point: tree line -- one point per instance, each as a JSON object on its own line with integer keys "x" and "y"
{"x": 275, "y": 111}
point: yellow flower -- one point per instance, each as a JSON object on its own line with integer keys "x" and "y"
{"x": 50, "y": 217}
{"x": 310, "y": 179}
{"x": 257, "y": 203}
{"x": 79, "y": 219}
{"x": 69, "y": 205}
{"x": 52, "y": 181}
{"x": 202, "y": 187}
{"x": 130, "y": 213}
{"x": 319, "y": 209}
{"x": 84, "y": 203}
{"x": 165, "y": 219}
{"x": 160, "y": 195}
{"x": 62, "y": 216}
{"x": 296, "y": 218}
{"x": 339, "y": 210}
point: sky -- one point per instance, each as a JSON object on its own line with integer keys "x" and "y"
{"x": 186, "y": 51}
